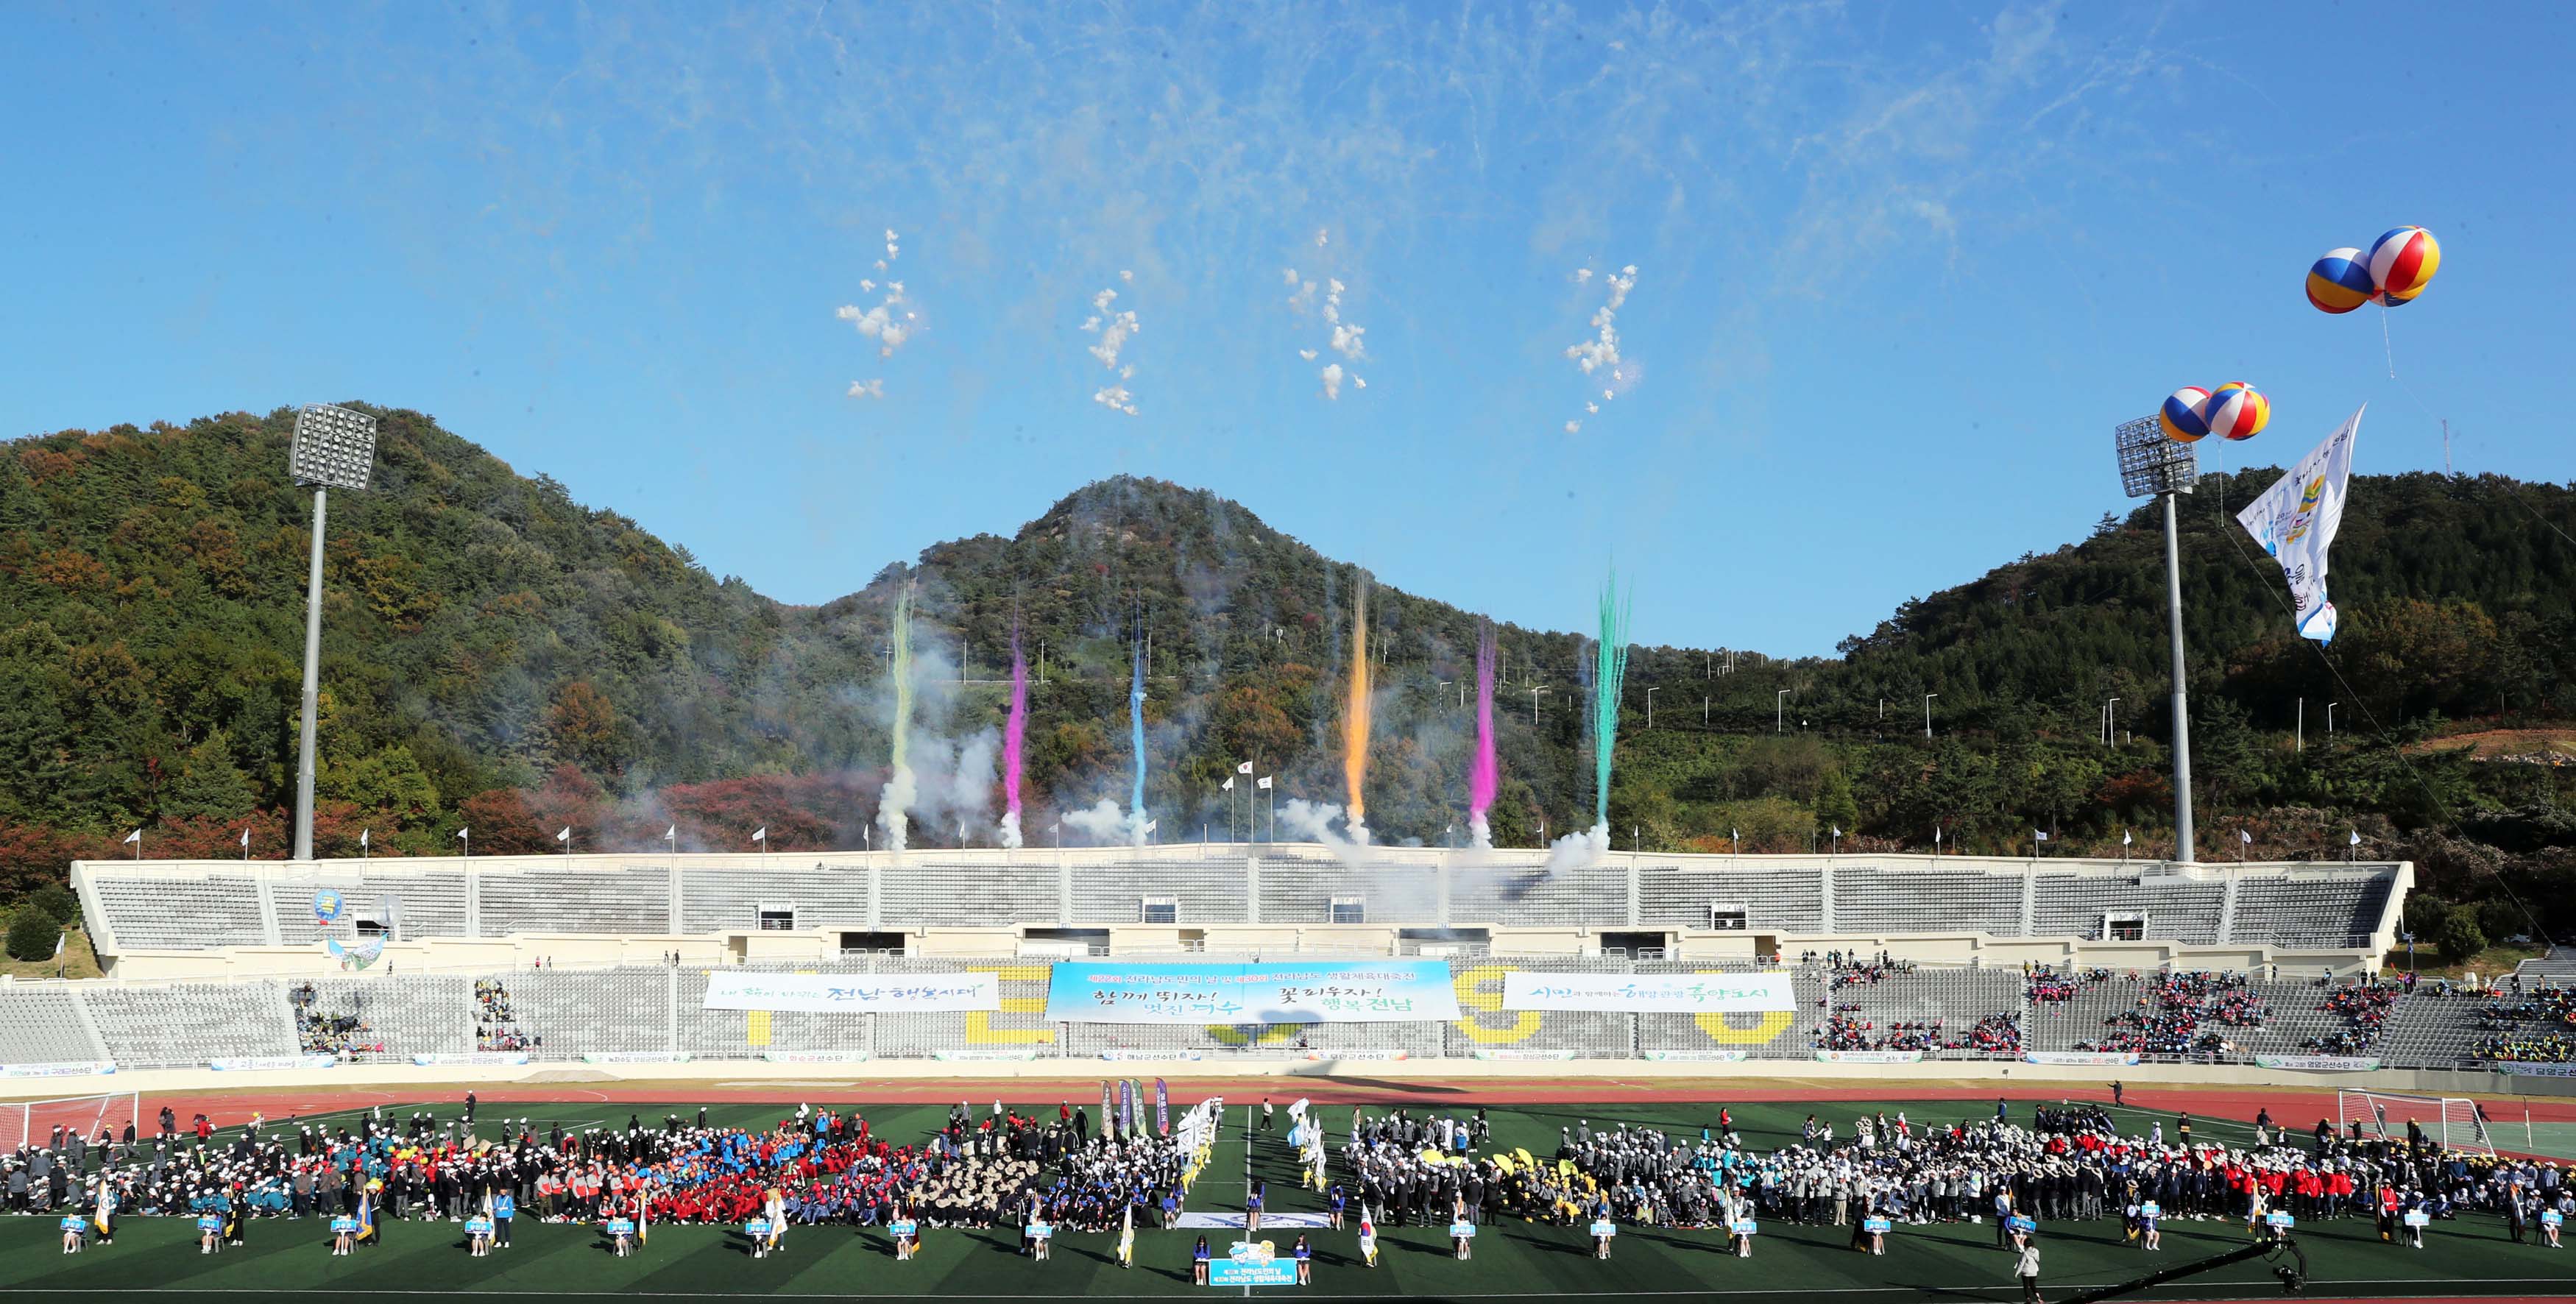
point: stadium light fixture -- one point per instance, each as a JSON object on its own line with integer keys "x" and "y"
{"x": 2154, "y": 466}
{"x": 334, "y": 448}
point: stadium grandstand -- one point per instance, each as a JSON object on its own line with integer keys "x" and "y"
{"x": 609, "y": 958}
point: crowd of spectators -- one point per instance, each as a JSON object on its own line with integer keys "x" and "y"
{"x": 323, "y": 1033}
{"x": 2182, "y": 1014}
{"x": 496, "y": 1023}
{"x": 2507, "y": 1022}
{"x": 2364, "y": 1009}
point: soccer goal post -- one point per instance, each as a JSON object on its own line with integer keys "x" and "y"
{"x": 34, "y": 1123}
{"x": 2455, "y": 1121}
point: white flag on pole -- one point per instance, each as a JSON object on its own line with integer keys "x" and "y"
{"x": 245, "y": 839}
{"x": 363, "y": 835}
{"x": 2039, "y": 835}
{"x": 2295, "y": 521}
{"x": 134, "y": 837}
{"x": 1244, "y": 768}
{"x": 565, "y": 835}
{"x": 761, "y": 835}
{"x": 1263, "y": 782}
{"x": 2125, "y": 839}
{"x": 2356, "y": 837}
{"x": 460, "y": 833}
{"x": 671, "y": 834}
{"x": 1228, "y": 785}
{"x": 1151, "y": 825}
{"x": 59, "y": 939}
{"x": 2245, "y": 837}
{"x": 1838, "y": 830}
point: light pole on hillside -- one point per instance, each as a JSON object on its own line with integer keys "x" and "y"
{"x": 1780, "y": 711}
{"x": 334, "y": 448}
{"x": 1650, "y": 708}
{"x": 2153, "y": 466}
{"x": 1927, "y": 713}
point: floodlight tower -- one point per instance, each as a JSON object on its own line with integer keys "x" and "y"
{"x": 334, "y": 448}
{"x": 2152, "y": 465}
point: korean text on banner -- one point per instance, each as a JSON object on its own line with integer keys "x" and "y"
{"x": 846, "y": 993}
{"x": 1708, "y": 993}
{"x": 1368, "y": 991}
{"x": 2295, "y": 521}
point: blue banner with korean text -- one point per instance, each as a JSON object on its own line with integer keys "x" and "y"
{"x": 1362, "y": 991}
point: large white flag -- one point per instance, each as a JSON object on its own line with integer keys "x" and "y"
{"x": 2295, "y": 521}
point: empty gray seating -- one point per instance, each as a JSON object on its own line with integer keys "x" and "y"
{"x": 2176, "y": 908}
{"x": 1214, "y": 890}
{"x": 424, "y": 904}
{"x": 1869, "y": 899}
{"x": 1776, "y": 897}
{"x": 1304, "y": 889}
{"x": 185, "y": 1025}
{"x": 539, "y": 900}
{"x": 2303, "y": 910}
{"x": 932, "y": 889}
{"x": 182, "y": 913}
{"x": 618, "y": 1011}
{"x": 730, "y": 900}
{"x": 42, "y": 1025}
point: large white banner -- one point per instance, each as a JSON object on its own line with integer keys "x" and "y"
{"x": 1869, "y": 1056}
{"x": 1698, "y": 993}
{"x": 2319, "y": 1063}
{"x": 1315, "y": 991}
{"x": 57, "y": 1069}
{"x": 2295, "y": 521}
{"x": 2095, "y": 1058}
{"x": 852, "y": 993}
{"x": 2521, "y": 1069}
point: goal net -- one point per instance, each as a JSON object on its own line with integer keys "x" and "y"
{"x": 42, "y": 1123}
{"x": 2454, "y": 1121}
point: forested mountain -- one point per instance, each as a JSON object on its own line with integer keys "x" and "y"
{"x": 496, "y": 655}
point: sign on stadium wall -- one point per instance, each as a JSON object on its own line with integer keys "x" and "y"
{"x": 637, "y": 1057}
{"x": 1869, "y": 1057}
{"x": 984, "y": 1054}
{"x": 490, "y": 1057}
{"x": 810, "y": 1056}
{"x": 1510, "y": 1054}
{"x": 57, "y": 1069}
{"x": 1749, "y": 993}
{"x": 842, "y": 993}
{"x": 2318, "y": 1063}
{"x": 264, "y": 1063}
{"x": 2522, "y": 1070}
{"x": 1721, "y": 1056}
{"x": 2096, "y": 1058}
{"x": 1373, "y": 991}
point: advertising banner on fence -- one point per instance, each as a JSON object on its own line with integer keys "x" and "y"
{"x": 2096, "y": 1058}
{"x": 1703, "y": 993}
{"x": 57, "y": 1069}
{"x": 1721, "y": 1056}
{"x": 499, "y": 1057}
{"x": 852, "y": 993}
{"x": 1365, "y": 991}
{"x": 811, "y": 1056}
{"x": 258, "y": 1063}
{"x": 1869, "y": 1057}
{"x": 2521, "y": 1070}
{"x": 636, "y": 1057}
{"x": 2319, "y": 1063}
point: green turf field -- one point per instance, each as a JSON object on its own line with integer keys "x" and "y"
{"x": 159, "y": 1256}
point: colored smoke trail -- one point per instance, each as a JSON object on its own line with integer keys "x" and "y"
{"x": 1484, "y": 779}
{"x": 1136, "y": 741}
{"x": 1609, "y": 672}
{"x": 1355, "y": 717}
{"x": 899, "y": 789}
{"x": 1012, "y": 735}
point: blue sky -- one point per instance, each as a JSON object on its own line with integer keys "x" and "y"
{"x": 1900, "y": 267}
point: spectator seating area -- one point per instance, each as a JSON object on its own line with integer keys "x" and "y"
{"x": 1873, "y": 1002}
{"x": 197, "y": 905}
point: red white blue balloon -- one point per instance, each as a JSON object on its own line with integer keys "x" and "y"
{"x": 2402, "y": 263}
{"x": 2185, "y": 415}
{"x": 2237, "y": 410}
{"x": 2340, "y": 281}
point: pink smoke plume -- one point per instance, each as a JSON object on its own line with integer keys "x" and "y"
{"x": 1486, "y": 776}
{"x": 1016, "y": 730}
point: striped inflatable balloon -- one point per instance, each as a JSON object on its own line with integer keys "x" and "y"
{"x": 2340, "y": 281}
{"x": 2185, "y": 415}
{"x": 2238, "y": 410}
{"x": 2402, "y": 263}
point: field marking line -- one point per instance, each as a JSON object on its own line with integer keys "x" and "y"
{"x": 1974, "y": 1290}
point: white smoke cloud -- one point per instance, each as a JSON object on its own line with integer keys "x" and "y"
{"x": 1315, "y": 821}
{"x": 1575, "y": 850}
{"x": 1341, "y": 335}
{"x": 1114, "y": 328}
{"x": 891, "y": 321}
{"x": 1104, "y": 822}
{"x": 1010, "y": 830}
{"x": 901, "y": 789}
{"x": 1600, "y": 353}
{"x": 1480, "y": 833}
